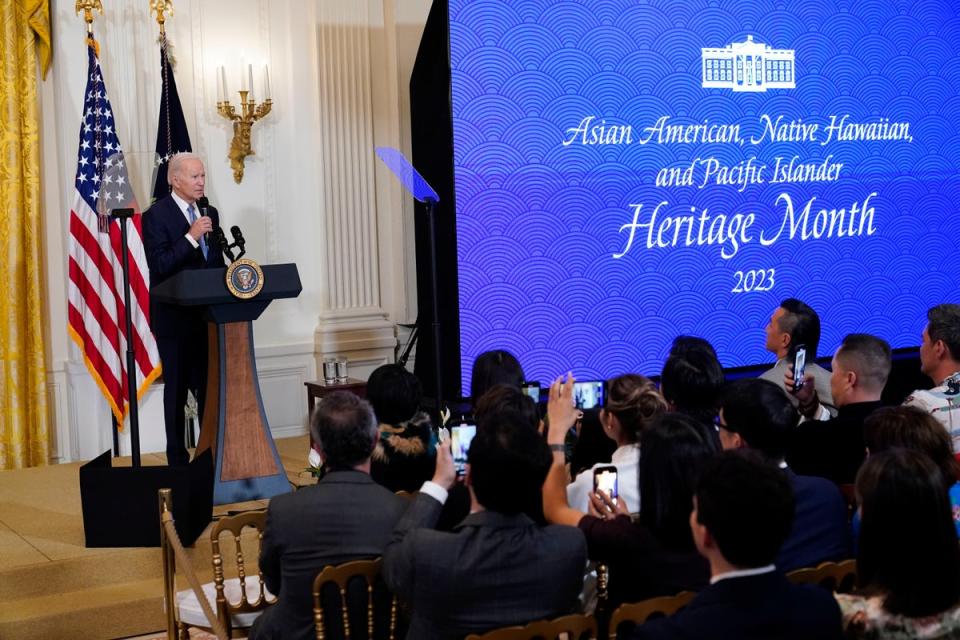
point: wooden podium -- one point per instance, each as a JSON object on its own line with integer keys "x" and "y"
{"x": 234, "y": 424}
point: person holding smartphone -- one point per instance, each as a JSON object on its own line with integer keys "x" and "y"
{"x": 791, "y": 324}
{"x": 498, "y": 567}
{"x": 655, "y": 554}
{"x": 632, "y": 402}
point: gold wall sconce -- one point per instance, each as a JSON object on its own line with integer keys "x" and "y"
{"x": 243, "y": 121}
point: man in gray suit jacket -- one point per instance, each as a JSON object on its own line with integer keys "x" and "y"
{"x": 496, "y": 568}
{"x": 346, "y": 516}
{"x": 792, "y": 324}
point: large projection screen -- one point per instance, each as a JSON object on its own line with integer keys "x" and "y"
{"x": 627, "y": 171}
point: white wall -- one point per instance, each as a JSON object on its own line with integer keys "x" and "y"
{"x": 313, "y": 194}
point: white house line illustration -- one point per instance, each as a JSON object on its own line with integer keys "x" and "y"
{"x": 748, "y": 66}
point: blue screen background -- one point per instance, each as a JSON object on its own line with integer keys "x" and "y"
{"x": 538, "y": 222}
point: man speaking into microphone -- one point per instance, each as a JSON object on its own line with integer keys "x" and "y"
{"x": 177, "y": 235}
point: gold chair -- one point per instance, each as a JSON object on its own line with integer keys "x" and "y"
{"x": 640, "y": 612}
{"x": 839, "y": 577}
{"x": 341, "y": 575}
{"x": 239, "y": 600}
{"x": 570, "y": 627}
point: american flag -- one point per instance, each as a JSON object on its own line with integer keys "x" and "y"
{"x": 95, "y": 293}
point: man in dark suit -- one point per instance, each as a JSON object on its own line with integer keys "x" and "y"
{"x": 496, "y": 568}
{"x": 176, "y": 237}
{"x": 833, "y": 447}
{"x": 757, "y": 414}
{"x": 346, "y": 516}
{"x": 741, "y": 514}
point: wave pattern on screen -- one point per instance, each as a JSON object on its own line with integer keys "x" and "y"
{"x": 538, "y": 222}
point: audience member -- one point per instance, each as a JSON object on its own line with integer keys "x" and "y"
{"x": 915, "y": 429}
{"x": 908, "y": 565}
{"x": 505, "y": 397}
{"x": 500, "y": 404}
{"x": 940, "y": 361}
{"x": 404, "y": 456}
{"x": 654, "y": 555}
{"x": 492, "y": 368}
{"x": 632, "y": 402}
{"x": 758, "y": 415}
{"x": 792, "y": 324}
{"x": 691, "y": 381}
{"x": 592, "y": 446}
{"x": 742, "y": 513}
{"x": 683, "y": 344}
{"x": 497, "y": 568}
{"x": 346, "y": 516}
{"x": 833, "y": 447}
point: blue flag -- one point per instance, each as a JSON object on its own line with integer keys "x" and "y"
{"x": 172, "y": 135}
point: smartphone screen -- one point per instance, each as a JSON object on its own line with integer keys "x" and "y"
{"x": 532, "y": 389}
{"x": 605, "y": 479}
{"x": 588, "y": 395}
{"x": 460, "y": 438}
{"x": 799, "y": 366}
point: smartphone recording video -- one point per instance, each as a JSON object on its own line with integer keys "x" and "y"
{"x": 605, "y": 479}
{"x": 799, "y": 366}
{"x": 532, "y": 389}
{"x": 460, "y": 438}
{"x": 588, "y": 395}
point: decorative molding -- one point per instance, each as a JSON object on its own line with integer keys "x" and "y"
{"x": 58, "y": 434}
{"x": 268, "y": 143}
{"x": 346, "y": 149}
{"x": 291, "y": 431}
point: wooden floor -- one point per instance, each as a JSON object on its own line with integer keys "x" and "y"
{"x": 52, "y": 586}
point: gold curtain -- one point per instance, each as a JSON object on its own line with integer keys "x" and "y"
{"x": 24, "y": 40}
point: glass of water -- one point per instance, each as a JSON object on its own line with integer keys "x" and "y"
{"x": 341, "y": 369}
{"x": 329, "y": 370}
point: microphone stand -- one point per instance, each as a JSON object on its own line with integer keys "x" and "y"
{"x": 438, "y": 378}
{"x": 122, "y": 215}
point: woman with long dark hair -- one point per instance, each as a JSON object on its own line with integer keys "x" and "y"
{"x": 908, "y": 564}
{"x": 912, "y": 428}
{"x": 655, "y": 555}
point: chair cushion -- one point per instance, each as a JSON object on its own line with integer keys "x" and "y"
{"x": 192, "y": 614}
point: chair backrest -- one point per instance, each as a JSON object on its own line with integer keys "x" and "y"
{"x": 342, "y": 575}
{"x": 571, "y": 627}
{"x": 839, "y": 577}
{"x": 640, "y": 612}
{"x": 235, "y": 525}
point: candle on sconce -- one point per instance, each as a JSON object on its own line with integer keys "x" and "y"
{"x": 220, "y": 91}
{"x": 250, "y": 81}
{"x": 223, "y": 82}
{"x": 243, "y": 77}
{"x": 266, "y": 82}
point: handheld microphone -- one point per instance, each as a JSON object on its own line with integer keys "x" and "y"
{"x": 203, "y": 204}
{"x": 238, "y": 240}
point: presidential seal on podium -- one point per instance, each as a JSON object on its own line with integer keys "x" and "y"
{"x": 244, "y": 278}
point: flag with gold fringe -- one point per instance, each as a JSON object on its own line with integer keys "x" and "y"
{"x": 95, "y": 289}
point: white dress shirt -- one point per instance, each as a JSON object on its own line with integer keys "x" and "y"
{"x": 627, "y": 461}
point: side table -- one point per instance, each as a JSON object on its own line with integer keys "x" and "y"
{"x": 318, "y": 389}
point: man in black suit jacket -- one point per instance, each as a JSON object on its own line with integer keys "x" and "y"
{"x": 741, "y": 515}
{"x": 496, "y": 568}
{"x": 757, "y": 414}
{"x": 175, "y": 237}
{"x": 346, "y": 516}
{"x": 834, "y": 447}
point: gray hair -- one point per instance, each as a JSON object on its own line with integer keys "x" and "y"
{"x": 346, "y": 429}
{"x": 173, "y": 166}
